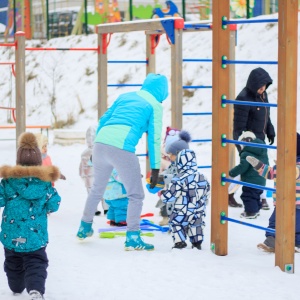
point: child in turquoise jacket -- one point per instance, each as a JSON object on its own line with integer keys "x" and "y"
{"x": 27, "y": 195}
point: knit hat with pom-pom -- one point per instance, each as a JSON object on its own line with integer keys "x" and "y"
{"x": 28, "y": 153}
{"x": 182, "y": 143}
{"x": 247, "y": 136}
{"x": 172, "y": 135}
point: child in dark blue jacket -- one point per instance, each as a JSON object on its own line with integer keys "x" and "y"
{"x": 27, "y": 195}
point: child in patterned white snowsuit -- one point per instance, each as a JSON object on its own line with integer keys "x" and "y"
{"x": 189, "y": 190}
{"x": 116, "y": 198}
{"x": 86, "y": 166}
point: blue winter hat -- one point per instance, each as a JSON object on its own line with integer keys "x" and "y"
{"x": 182, "y": 143}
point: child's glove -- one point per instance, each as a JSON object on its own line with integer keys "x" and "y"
{"x": 256, "y": 163}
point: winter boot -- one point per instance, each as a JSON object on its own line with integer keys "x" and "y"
{"x": 180, "y": 245}
{"x": 264, "y": 204}
{"x": 121, "y": 224}
{"x": 248, "y": 215}
{"x": 268, "y": 245}
{"x": 85, "y": 230}
{"x": 35, "y": 295}
{"x": 232, "y": 202}
{"x": 197, "y": 245}
{"x": 164, "y": 221}
{"x": 134, "y": 242}
{"x": 112, "y": 223}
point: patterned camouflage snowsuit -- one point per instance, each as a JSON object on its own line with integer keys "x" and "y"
{"x": 189, "y": 191}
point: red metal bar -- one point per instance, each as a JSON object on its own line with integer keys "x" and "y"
{"x": 105, "y": 42}
{"x": 8, "y": 44}
{"x": 154, "y": 41}
{"x": 60, "y": 49}
{"x": 13, "y": 111}
{"x": 13, "y": 70}
{"x": 7, "y": 63}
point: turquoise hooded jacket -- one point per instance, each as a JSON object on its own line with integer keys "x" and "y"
{"x": 133, "y": 114}
{"x": 27, "y": 195}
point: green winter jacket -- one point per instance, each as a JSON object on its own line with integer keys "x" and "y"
{"x": 247, "y": 172}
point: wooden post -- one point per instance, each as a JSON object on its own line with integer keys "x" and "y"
{"x": 20, "y": 84}
{"x": 102, "y": 74}
{"x": 176, "y": 80}
{"x": 220, "y": 125}
{"x": 286, "y": 134}
{"x": 232, "y": 41}
{"x": 150, "y": 68}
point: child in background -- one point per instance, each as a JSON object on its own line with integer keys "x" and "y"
{"x": 271, "y": 173}
{"x": 116, "y": 198}
{"x": 250, "y": 196}
{"x": 189, "y": 190}
{"x": 43, "y": 145}
{"x": 42, "y": 141}
{"x": 27, "y": 196}
{"x": 86, "y": 166}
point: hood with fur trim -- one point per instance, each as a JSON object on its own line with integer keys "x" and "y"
{"x": 44, "y": 173}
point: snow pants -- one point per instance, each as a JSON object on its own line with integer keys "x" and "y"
{"x": 251, "y": 199}
{"x": 272, "y": 224}
{"x": 117, "y": 210}
{"x": 26, "y": 270}
{"x": 187, "y": 222}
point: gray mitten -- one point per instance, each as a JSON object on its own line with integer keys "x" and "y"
{"x": 256, "y": 163}
{"x": 160, "y": 204}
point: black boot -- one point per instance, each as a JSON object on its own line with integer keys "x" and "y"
{"x": 232, "y": 202}
{"x": 197, "y": 245}
{"x": 180, "y": 245}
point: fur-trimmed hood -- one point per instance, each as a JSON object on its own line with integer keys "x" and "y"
{"x": 44, "y": 173}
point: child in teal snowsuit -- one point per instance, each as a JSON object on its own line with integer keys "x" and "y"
{"x": 115, "y": 196}
{"x": 27, "y": 195}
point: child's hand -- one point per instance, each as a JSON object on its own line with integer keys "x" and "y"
{"x": 256, "y": 164}
{"x": 63, "y": 177}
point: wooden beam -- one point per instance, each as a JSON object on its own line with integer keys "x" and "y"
{"x": 220, "y": 125}
{"x": 153, "y": 24}
{"x": 286, "y": 134}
